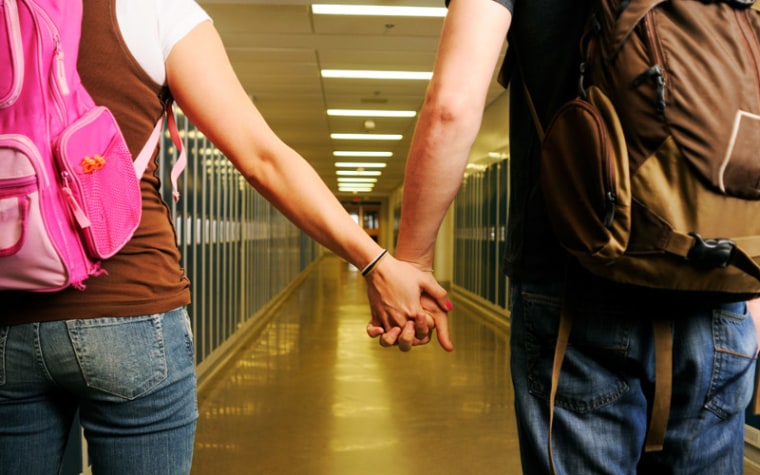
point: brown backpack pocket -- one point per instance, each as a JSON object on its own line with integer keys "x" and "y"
{"x": 585, "y": 178}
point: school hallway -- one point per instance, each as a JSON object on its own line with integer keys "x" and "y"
{"x": 312, "y": 394}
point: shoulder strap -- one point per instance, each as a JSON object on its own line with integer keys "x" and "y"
{"x": 532, "y": 108}
{"x": 516, "y": 63}
{"x": 141, "y": 162}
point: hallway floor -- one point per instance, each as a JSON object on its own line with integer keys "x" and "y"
{"x": 314, "y": 395}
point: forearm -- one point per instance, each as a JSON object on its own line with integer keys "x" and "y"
{"x": 205, "y": 86}
{"x": 472, "y": 38}
{"x": 295, "y": 189}
{"x": 437, "y": 160}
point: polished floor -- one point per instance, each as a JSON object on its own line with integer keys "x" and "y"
{"x": 314, "y": 395}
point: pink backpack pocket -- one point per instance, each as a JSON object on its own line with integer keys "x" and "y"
{"x": 30, "y": 257}
{"x": 99, "y": 182}
{"x": 15, "y": 201}
{"x": 17, "y": 193}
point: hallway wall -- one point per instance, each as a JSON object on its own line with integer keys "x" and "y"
{"x": 238, "y": 250}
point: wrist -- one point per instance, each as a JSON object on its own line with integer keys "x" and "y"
{"x": 421, "y": 257}
{"x": 421, "y": 266}
{"x": 424, "y": 264}
{"x": 373, "y": 263}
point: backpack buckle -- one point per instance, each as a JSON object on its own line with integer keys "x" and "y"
{"x": 711, "y": 252}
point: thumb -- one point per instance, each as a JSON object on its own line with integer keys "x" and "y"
{"x": 438, "y": 293}
{"x": 442, "y": 332}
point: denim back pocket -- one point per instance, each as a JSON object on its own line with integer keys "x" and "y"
{"x": 590, "y": 376}
{"x": 124, "y": 357}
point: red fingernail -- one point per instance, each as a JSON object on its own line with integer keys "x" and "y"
{"x": 449, "y": 305}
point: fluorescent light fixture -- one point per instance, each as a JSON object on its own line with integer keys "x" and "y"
{"x": 369, "y": 113}
{"x": 373, "y": 74}
{"x": 357, "y": 153}
{"x": 378, "y": 10}
{"x": 359, "y": 165}
{"x": 358, "y": 173}
{"x": 364, "y": 186}
{"x": 366, "y": 136}
{"x": 356, "y": 180}
{"x": 355, "y": 187}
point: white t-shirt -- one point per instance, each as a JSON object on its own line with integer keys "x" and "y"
{"x": 151, "y": 28}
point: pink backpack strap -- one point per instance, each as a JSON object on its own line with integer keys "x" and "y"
{"x": 141, "y": 162}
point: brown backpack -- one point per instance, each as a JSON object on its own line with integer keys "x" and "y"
{"x": 651, "y": 176}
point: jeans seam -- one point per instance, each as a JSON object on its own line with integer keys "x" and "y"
{"x": 38, "y": 356}
{"x": 4, "y": 330}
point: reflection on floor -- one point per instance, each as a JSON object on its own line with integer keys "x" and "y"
{"x": 314, "y": 395}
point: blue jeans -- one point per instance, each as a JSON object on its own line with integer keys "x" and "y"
{"x": 607, "y": 382}
{"x": 132, "y": 379}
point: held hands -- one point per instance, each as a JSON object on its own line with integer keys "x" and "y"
{"x": 406, "y": 304}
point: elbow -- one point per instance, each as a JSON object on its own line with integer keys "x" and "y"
{"x": 453, "y": 109}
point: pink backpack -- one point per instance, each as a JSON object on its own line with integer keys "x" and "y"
{"x": 69, "y": 190}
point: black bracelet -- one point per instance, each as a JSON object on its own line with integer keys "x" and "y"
{"x": 368, "y": 268}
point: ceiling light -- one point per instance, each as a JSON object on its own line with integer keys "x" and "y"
{"x": 369, "y": 113}
{"x": 360, "y": 165}
{"x": 356, "y": 186}
{"x": 375, "y": 10}
{"x": 366, "y": 136}
{"x": 349, "y": 153}
{"x": 358, "y": 173}
{"x": 356, "y": 180}
{"x": 372, "y": 74}
{"x": 362, "y": 186}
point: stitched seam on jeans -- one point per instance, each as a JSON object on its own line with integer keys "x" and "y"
{"x": 735, "y": 353}
{"x": 3, "y": 341}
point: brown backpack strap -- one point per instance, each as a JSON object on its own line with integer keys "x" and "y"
{"x": 533, "y": 113}
{"x": 663, "y": 385}
{"x": 563, "y": 336}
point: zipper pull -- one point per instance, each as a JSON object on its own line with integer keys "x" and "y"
{"x": 60, "y": 70}
{"x": 609, "y": 208}
{"x": 79, "y": 214}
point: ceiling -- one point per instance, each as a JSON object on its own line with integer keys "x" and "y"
{"x": 278, "y": 49}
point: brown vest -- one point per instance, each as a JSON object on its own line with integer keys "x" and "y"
{"x": 145, "y": 277}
